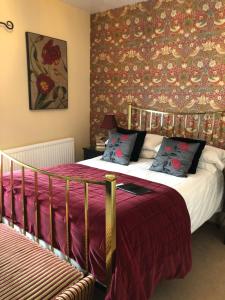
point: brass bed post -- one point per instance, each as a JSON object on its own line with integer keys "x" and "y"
{"x": 185, "y": 125}
{"x": 213, "y": 124}
{"x": 150, "y": 125}
{"x": 11, "y": 194}
{"x": 37, "y": 215}
{"x": 23, "y": 200}
{"x": 198, "y": 126}
{"x": 129, "y": 114}
{"x": 174, "y": 124}
{"x": 1, "y": 188}
{"x": 68, "y": 219}
{"x": 161, "y": 122}
{"x": 110, "y": 232}
{"x": 140, "y": 119}
{"x": 206, "y": 125}
{"x": 221, "y": 125}
{"x": 86, "y": 225}
{"x": 50, "y": 212}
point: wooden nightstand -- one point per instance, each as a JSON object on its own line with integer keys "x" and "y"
{"x": 91, "y": 152}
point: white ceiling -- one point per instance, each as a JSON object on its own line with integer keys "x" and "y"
{"x": 93, "y": 6}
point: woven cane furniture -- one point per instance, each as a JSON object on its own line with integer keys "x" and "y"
{"x": 28, "y": 271}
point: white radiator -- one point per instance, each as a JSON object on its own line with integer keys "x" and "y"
{"x": 44, "y": 155}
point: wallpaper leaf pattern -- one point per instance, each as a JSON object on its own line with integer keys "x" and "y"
{"x": 162, "y": 54}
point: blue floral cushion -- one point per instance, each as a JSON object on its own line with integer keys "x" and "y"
{"x": 174, "y": 157}
{"x": 198, "y": 153}
{"x": 119, "y": 148}
{"x": 138, "y": 144}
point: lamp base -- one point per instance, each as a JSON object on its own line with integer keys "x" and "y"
{"x": 100, "y": 147}
{"x": 100, "y": 142}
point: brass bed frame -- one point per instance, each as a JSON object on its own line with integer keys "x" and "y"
{"x": 167, "y": 123}
{"x": 209, "y": 125}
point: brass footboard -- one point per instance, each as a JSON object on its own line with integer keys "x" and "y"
{"x": 110, "y": 207}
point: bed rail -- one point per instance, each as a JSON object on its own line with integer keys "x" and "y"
{"x": 110, "y": 208}
{"x": 209, "y": 125}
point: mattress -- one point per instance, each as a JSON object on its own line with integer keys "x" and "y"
{"x": 202, "y": 192}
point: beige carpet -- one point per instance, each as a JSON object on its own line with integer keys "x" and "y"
{"x": 206, "y": 281}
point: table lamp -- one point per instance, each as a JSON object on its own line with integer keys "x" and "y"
{"x": 109, "y": 122}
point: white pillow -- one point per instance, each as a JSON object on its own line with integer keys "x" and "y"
{"x": 214, "y": 156}
{"x": 147, "y": 153}
{"x": 157, "y": 148}
{"x": 151, "y": 141}
{"x": 206, "y": 166}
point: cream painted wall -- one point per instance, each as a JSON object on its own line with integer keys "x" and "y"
{"x": 18, "y": 125}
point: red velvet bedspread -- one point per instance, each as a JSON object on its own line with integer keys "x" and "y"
{"x": 153, "y": 230}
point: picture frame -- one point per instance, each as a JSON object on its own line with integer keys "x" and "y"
{"x": 47, "y": 72}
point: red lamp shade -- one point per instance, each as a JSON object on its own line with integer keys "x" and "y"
{"x": 109, "y": 122}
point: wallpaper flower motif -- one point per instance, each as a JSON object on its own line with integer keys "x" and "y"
{"x": 47, "y": 72}
{"x": 161, "y": 54}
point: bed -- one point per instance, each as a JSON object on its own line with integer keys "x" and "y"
{"x": 75, "y": 208}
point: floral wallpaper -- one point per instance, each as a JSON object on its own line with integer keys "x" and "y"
{"x": 161, "y": 54}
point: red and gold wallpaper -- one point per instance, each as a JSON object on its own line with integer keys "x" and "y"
{"x": 162, "y": 54}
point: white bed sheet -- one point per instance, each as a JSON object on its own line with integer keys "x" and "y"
{"x": 202, "y": 192}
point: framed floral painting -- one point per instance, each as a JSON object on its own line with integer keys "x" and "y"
{"x": 47, "y": 72}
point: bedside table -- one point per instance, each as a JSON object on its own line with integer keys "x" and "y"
{"x": 91, "y": 152}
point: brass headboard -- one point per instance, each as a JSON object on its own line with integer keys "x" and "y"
{"x": 209, "y": 126}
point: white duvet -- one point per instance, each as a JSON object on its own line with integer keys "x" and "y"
{"x": 202, "y": 192}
